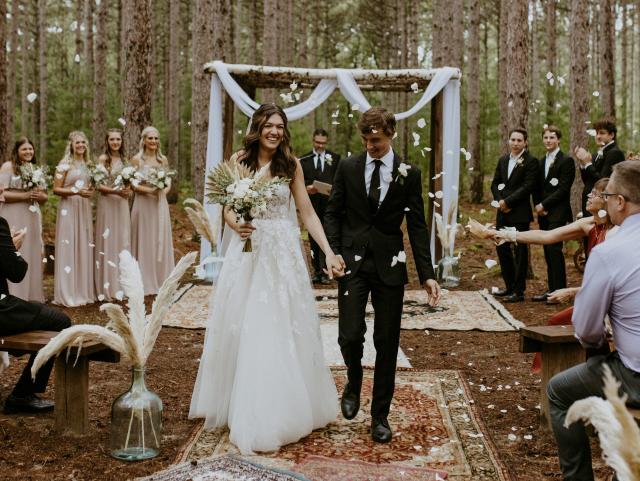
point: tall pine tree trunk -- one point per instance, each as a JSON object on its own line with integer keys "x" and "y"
{"x": 624, "y": 60}
{"x": 174, "y": 86}
{"x": 517, "y": 64}
{"x": 579, "y": 86}
{"x": 42, "y": 76}
{"x": 607, "y": 58}
{"x": 503, "y": 74}
{"x": 11, "y": 70}
{"x": 4, "y": 133}
{"x": 551, "y": 56}
{"x": 137, "y": 92}
{"x": 100, "y": 89}
{"x": 25, "y": 77}
{"x": 270, "y": 42}
{"x": 473, "y": 102}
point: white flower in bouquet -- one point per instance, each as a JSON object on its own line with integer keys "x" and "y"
{"x": 98, "y": 174}
{"x": 159, "y": 178}
{"x": 34, "y": 177}
{"x": 126, "y": 177}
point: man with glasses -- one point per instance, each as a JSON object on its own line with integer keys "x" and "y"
{"x": 610, "y": 286}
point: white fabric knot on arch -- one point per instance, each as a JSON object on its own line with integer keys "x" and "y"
{"x": 446, "y": 79}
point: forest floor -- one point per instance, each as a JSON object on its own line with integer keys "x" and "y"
{"x": 32, "y": 450}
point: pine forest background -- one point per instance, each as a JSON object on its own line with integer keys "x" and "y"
{"x": 524, "y": 63}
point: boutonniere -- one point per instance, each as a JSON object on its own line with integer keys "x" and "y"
{"x": 403, "y": 171}
{"x": 519, "y": 161}
{"x": 328, "y": 159}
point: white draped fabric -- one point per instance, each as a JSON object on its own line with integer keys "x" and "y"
{"x": 445, "y": 78}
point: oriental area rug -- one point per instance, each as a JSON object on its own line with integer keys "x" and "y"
{"x": 458, "y": 310}
{"x": 437, "y": 435}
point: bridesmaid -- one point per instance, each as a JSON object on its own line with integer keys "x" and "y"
{"x": 74, "y": 284}
{"x": 21, "y": 208}
{"x": 113, "y": 222}
{"x": 151, "y": 241}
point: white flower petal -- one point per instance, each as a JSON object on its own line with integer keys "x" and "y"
{"x": 422, "y": 123}
{"x": 119, "y": 295}
{"x": 553, "y": 182}
{"x": 63, "y": 212}
{"x": 33, "y": 208}
{"x": 501, "y": 186}
{"x": 602, "y": 213}
{"x": 106, "y": 233}
{"x": 357, "y": 257}
{"x": 101, "y": 297}
{"x": 67, "y": 269}
{"x": 495, "y": 203}
{"x": 490, "y": 263}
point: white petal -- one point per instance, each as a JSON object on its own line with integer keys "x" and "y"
{"x": 106, "y": 233}
{"x": 439, "y": 195}
{"x": 501, "y": 186}
{"x": 33, "y": 208}
{"x": 495, "y": 203}
{"x": 122, "y": 121}
{"x": 602, "y": 213}
{"x": 483, "y": 211}
{"x": 76, "y": 59}
{"x": 119, "y": 295}
{"x": 422, "y": 123}
{"x": 596, "y": 93}
{"x": 490, "y": 263}
{"x": 112, "y": 264}
{"x": 63, "y": 212}
{"x": 106, "y": 285}
{"x": 101, "y": 297}
{"x": 553, "y": 182}
{"x": 512, "y": 437}
{"x": 357, "y": 257}
{"x": 346, "y": 293}
{"x": 32, "y": 97}
{"x": 67, "y": 269}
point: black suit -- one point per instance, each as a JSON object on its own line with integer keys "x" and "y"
{"x": 516, "y": 192}
{"x": 556, "y": 202}
{"x": 368, "y": 240}
{"x": 17, "y": 315}
{"x": 319, "y": 201}
{"x": 601, "y": 166}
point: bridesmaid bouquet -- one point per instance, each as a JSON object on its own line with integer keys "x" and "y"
{"x": 127, "y": 177}
{"x": 98, "y": 174}
{"x": 34, "y": 177}
{"x": 246, "y": 192}
{"x": 159, "y": 178}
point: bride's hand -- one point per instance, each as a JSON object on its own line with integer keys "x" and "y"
{"x": 335, "y": 266}
{"x": 245, "y": 230}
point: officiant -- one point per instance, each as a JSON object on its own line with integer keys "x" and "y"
{"x": 319, "y": 167}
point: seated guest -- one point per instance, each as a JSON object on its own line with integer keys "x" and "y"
{"x": 17, "y": 316}
{"x": 320, "y": 164}
{"x": 610, "y": 286}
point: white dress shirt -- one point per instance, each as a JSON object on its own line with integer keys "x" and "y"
{"x": 512, "y": 162}
{"x": 318, "y": 157}
{"x": 551, "y": 156}
{"x": 386, "y": 170}
{"x": 599, "y": 155}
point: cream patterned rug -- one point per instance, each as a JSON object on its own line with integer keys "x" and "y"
{"x": 435, "y": 428}
{"x": 458, "y": 311}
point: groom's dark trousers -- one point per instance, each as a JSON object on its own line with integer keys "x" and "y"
{"x": 368, "y": 239}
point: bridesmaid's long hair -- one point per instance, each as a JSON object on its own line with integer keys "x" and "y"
{"x": 107, "y": 149}
{"x": 15, "y": 158}
{"x": 68, "y": 151}
{"x": 162, "y": 160}
{"x": 283, "y": 162}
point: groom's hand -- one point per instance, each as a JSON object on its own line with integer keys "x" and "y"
{"x": 335, "y": 266}
{"x": 433, "y": 291}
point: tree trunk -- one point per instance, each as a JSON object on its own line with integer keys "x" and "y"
{"x": 534, "y": 65}
{"x": 302, "y": 28}
{"x": 448, "y": 42}
{"x": 270, "y": 42}
{"x": 11, "y": 70}
{"x": 25, "y": 78}
{"x": 473, "y": 102}
{"x": 100, "y": 91}
{"x": 607, "y": 58}
{"x": 88, "y": 56}
{"x": 624, "y": 67}
{"x": 5, "y": 136}
{"x": 551, "y": 56}
{"x": 42, "y": 74}
{"x": 579, "y": 87}
{"x": 174, "y": 87}
{"x": 503, "y": 50}
{"x": 517, "y": 65}
{"x": 137, "y": 92}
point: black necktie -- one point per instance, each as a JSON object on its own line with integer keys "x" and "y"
{"x": 319, "y": 164}
{"x": 374, "y": 186}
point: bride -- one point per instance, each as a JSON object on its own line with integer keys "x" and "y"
{"x": 262, "y": 371}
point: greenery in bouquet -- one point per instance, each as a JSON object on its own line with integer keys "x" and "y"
{"x": 34, "y": 176}
{"x": 159, "y": 178}
{"x": 98, "y": 174}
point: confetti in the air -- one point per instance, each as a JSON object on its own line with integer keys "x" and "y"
{"x": 32, "y": 97}
{"x": 67, "y": 269}
{"x": 554, "y": 182}
{"x": 602, "y": 213}
{"x": 490, "y": 263}
{"x": 422, "y": 123}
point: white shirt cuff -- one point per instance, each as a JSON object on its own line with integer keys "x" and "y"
{"x": 585, "y": 166}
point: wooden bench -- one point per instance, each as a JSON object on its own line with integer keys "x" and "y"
{"x": 71, "y": 378}
{"x": 560, "y": 350}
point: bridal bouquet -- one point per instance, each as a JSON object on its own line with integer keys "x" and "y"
{"x": 159, "y": 178}
{"x": 34, "y": 177}
{"x": 98, "y": 174}
{"x": 247, "y": 193}
{"x": 127, "y": 177}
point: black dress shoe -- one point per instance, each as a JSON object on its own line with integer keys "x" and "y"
{"x": 503, "y": 293}
{"x": 316, "y": 279}
{"x": 325, "y": 280}
{"x": 380, "y": 430}
{"x": 350, "y": 402}
{"x": 541, "y": 297}
{"x": 29, "y": 403}
{"x": 514, "y": 298}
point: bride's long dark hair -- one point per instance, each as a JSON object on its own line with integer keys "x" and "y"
{"x": 283, "y": 162}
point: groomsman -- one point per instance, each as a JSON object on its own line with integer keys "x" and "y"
{"x": 512, "y": 185}
{"x": 551, "y": 197}
{"x": 320, "y": 164}
{"x": 595, "y": 167}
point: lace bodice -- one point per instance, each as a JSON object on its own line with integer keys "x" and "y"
{"x": 279, "y": 205}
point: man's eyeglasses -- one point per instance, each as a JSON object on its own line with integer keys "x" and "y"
{"x": 606, "y": 195}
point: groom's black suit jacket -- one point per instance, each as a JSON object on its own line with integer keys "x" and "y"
{"x": 351, "y": 227}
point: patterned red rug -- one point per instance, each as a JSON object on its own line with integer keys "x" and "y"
{"x": 435, "y": 428}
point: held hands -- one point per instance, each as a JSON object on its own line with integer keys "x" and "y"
{"x": 504, "y": 207}
{"x": 433, "y": 291}
{"x": 125, "y": 193}
{"x": 311, "y": 190}
{"x": 18, "y": 236}
{"x": 37, "y": 195}
{"x": 540, "y": 210}
{"x": 335, "y": 266}
{"x": 86, "y": 193}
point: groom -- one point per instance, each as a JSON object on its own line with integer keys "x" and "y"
{"x": 372, "y": 194}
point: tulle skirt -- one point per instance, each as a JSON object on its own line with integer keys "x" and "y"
{"x": 262, "y": 372}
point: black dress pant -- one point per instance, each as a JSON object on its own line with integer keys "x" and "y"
{"x": 49, "y": 319}
{"x": 514, "y": 261}
{"x": 387, "y": 304}
{"x": 553, "y": 255}
{"x": 318, "y": 257}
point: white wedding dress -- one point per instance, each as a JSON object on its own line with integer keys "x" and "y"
{"x": 262, "y": 371}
